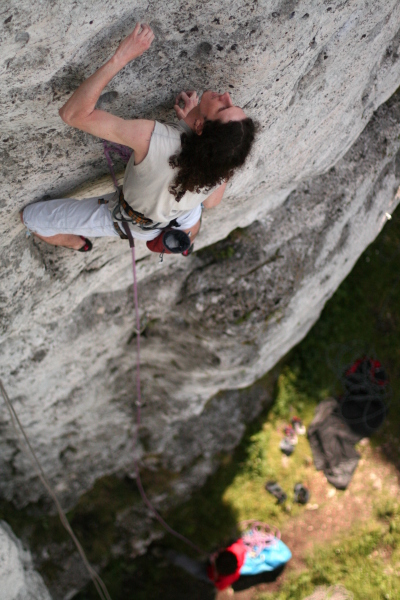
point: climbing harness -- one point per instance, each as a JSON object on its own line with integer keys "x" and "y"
{"x": 125, "y": 213}
{"x": 169, "y": 241}
{"x": 122, "y": 211}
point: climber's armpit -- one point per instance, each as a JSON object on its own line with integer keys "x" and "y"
{"x": 134, "y": 133}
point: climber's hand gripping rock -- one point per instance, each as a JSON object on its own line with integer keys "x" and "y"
{"x": 135, "y": 44}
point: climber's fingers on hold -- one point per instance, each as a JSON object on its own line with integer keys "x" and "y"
{"x": 136, "y": 43}
{"x": 146, "y": 29}
{"x": 179, "y": 97}
{"x": 189, "y": 98}
{"x": 144, "y": 36}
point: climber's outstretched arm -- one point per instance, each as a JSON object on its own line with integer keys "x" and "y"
{"x": 80, "y": 111}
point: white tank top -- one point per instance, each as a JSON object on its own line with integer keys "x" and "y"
{"x": 146, "y": 184}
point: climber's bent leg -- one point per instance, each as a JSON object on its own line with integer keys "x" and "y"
{"x": 60, "y": 222}
{"x": 50, "y": 218}
{"x": 66, "y": 240}
{"x": 61, "y": 239}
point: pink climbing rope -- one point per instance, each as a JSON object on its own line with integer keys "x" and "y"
{"x": 125, "y": 154}
{"x": 258, "y": 536}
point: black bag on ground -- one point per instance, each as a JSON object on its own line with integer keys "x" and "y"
{"x": 332, "y": 443}
{"x": 364, "y": 405}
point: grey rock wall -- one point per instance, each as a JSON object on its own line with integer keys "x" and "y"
{"x": 312, "y": 197}
{"x": 19, "y": 580}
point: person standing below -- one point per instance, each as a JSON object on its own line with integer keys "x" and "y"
{"x": 225, "y": 566}
{"x": 241, "y": 558}
{"x": 174, "y": 169}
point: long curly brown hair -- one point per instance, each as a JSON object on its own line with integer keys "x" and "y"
{"x": 209, "y": 159}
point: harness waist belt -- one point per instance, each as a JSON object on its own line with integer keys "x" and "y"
{"x": 134, "y": 217}
{"x": 131, "y": 216}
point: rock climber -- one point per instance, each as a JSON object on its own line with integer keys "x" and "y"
{"x": 174, "y": 168}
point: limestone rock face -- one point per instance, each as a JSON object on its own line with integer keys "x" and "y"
{"x": 19, "y": 581}
{"x": 313, "y": 195}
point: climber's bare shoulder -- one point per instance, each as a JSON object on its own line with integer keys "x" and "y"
{"x": 134, "y": 133}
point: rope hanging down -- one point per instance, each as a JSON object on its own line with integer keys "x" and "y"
{"x": 125, "y": 153}
{"x": 17, "y": 425}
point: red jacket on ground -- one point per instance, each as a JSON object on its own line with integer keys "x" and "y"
{"x": 223, "y": 581}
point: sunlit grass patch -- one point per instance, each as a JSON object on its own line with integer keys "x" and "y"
{"x": 246, "y": 495}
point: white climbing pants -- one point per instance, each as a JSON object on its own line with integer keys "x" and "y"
{"x": 88, "y": 218}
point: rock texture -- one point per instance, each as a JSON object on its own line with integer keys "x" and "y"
{"x": 19, "y": 581}
{"x": 312, "y": 197}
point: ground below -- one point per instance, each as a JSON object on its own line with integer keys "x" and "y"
{"x": 330, "y": 515}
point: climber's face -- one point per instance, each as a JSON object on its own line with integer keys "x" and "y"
{"x": 214, "y": 106}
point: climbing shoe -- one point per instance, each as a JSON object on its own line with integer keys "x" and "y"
{"x": 88, "y": 245}
{"x": 298, "y": 426}
{"x": 273, "y": 488}
{"x": 301, "y": 494}
{"x": 286, "y": 446}
{"x": 290, "y": 434}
